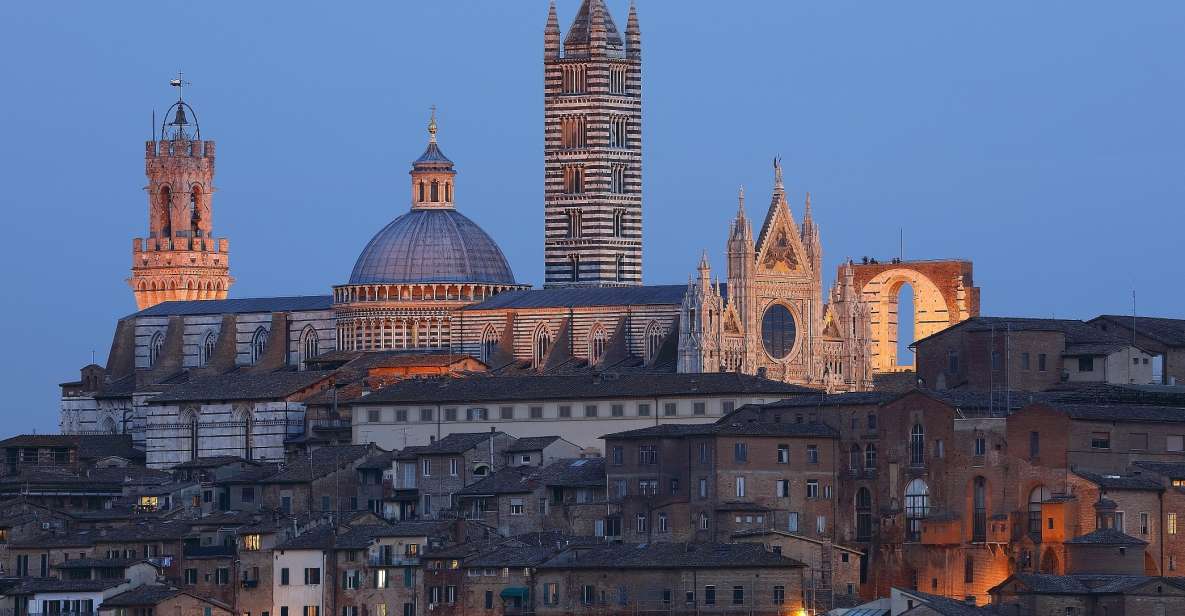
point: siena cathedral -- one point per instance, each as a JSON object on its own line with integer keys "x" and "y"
{"x": 433, "y": 281}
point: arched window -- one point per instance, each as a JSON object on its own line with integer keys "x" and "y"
{"x": 574, "y": 260}
{"x": 855, "y": 460}
{"x": 653, "y": 341}
{"x": 243, "y": 418}
{"x": 870, "y": 456}
{"x": 574, "y": 223}
{"x": 258, "y": 344}
{"x": 207, "y": 350}
{"x": 917, "y": 445}
{"x": 620, "y": 268}
{"x": 421, "y": 191}
{"x": 542, "y": 345}
{"x": 979, "y": 510}
{"x": 166, "y": 212}
{"x": 448, "y": 191}
{"x": 596, "y": 344}
{"x": 108, "y": 426}
{"x": 618, "y": 222}
{"x": 195, "y": 211}
{"x": 863, "y": 514}
{"x": 917, "y": 508}
{"x": 155, "y": 345}
{"x": 435, "y": 191}
{"x": 190, "y": 423}
{"x": 1037, "y": 496}
{"x": 489, "y": 343}
{"x": 309, "y": 344}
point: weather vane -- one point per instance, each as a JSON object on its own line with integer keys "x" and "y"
{"x": 179, "y": 83}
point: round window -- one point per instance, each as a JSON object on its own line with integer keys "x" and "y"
{"x": 777, "y": 331}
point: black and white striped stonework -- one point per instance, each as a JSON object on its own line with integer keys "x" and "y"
{"x": 593, "y": 152}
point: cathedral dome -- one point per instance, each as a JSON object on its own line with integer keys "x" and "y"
{"x": 432, "y": 245}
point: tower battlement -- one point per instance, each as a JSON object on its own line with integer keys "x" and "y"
{"x": 178, "y": 148}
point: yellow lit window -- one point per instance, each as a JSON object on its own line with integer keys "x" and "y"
{"x": 251, "y": 542}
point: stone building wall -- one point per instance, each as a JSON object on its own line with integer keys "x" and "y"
{"x": 637, "y": 590}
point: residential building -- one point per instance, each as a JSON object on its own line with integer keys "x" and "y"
{"x": 1011, "y": 353}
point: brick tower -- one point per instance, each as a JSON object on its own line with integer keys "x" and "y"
{"x": 593, "y": 150}
{"x": 180, "y": 259}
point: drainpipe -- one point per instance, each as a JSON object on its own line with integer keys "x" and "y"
{"x": 1160, "y": 529}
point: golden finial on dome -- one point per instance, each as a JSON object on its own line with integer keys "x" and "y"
{"x": 432, "y": 126}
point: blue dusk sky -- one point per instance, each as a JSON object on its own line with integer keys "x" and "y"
{"x": 1045, "y": 141}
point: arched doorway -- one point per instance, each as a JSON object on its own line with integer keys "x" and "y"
{"x": 1050, "y": 562}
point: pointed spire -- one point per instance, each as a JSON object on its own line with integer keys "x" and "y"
{"x": 705, "y": 272}
{"x": 551, "y": 35}
{"x": 778, "y": 184}
{"x": 741, "y": 203}
{"x": 809, "y": 232}
{"x": 633, "y": 34}
{"x": 592, "y": 32}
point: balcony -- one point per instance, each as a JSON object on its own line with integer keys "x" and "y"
{"x": 999, "y": 529}
{"x": 250, "y": 583}
{"x": 941, "y": 530}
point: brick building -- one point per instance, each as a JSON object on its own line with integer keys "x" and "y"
{"x": 155, "y": 599}
{"x": 694, "y": 577}
{"x": 567, "y": 495}
{"x": 705, "y": 482}
{"x": 1008, "y": 353}
{"x": 1156, "y": 335}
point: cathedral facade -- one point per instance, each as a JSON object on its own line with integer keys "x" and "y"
{"x": 771, "y": 319}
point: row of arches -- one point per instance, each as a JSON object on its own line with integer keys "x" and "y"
{"x": 434, "y": 191}
{"x": 153, "y": 291}
{"x": 387, "y": 333}
{"x": 257, "y": 346}
{"x": 596, "y": 342}
{"x": 416, "y": 292}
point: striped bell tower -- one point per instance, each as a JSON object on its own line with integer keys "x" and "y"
{"x": 593, "y": 150}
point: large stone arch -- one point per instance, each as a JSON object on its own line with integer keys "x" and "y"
{"x": 944, "y": 294}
